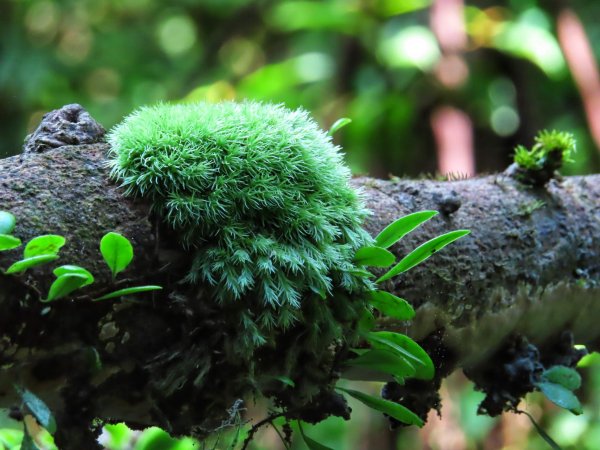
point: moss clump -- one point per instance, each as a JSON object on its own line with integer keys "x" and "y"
{"x": 261, "y": 197}
{"x": 551, "y": 150}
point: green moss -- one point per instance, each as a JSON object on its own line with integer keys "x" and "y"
{"x": 551, "y": 150}
{"x": 527, "y": 209}
{"x": 261, "y": 197}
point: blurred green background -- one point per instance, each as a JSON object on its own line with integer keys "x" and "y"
{"x": 389, "y": 65}
{"x": 375, "y": 61}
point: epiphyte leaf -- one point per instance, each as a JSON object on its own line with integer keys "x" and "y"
{"x": 311, "y": 443}
{"x": 117, "y": 251}
{"x": 384, "y": 361}
{"x": 8, "y": 242}
{"x": 560, "y": 396}
{"x": 563, "y": 375}
{"x": 129, "y": 291}
{"x": 28, "y": 263}
{"x": 407, "y": 348}
{"x": 73, "y": 269}
{"x": 423, "y": 252}
{"x": 48, "y": 244}
{"x": 391, "y": 306}
{"x": 374, "y": 257}
{"x": 338, "y": 125}
{"x": 401, "y": 227}
{"x": 392, "y": 409}
{"x": 65, "y": 284}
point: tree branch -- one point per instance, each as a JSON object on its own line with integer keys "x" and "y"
{"x": 530, "y": 267}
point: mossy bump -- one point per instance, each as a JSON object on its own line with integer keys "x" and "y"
{"x": 258, "y": 191}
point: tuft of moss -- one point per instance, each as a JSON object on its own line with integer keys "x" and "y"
{"x": 260, "y": 197}
{"x": 551, "y": 150}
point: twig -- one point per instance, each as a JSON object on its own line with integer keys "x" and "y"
{"x": 268, "y": 420}
{"x": 545, "y": 436}
{"x": 285, "y": 443}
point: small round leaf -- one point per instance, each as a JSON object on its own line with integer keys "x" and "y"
{"x": 117, "y": 251}
{"x": 561, "y": 396}
{"x": 73, "y": 269}
{"x": 48, "y": 244}
{"x": 8, "y": 242}
{"x": 28, "y": 263}
{"x": 565, "y": 376}
{"x": 65, "y": 284}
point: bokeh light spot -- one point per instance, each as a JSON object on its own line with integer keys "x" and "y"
{"x": 41, "y": 21}
{"x": 214, "y": 92}
{"x": 505, "y": 120}
{"x": 75, "y": 44}
{"x": 413, "y": 46}
{"x": 502, "y": 91}
{"x": 177, "y": 35}
{"x": 241, "y": 55}
{"x": 312, "y": 67}
{"x": 103, "y": 84}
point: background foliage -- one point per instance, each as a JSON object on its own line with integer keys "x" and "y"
{"x": 371, "y": 60}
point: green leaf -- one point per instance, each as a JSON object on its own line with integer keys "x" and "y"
{"x": 590, "y": 360}
{"x": 545, "y": 436}
{"x": 423, "y": 252}
{"x": 154, "y": 438}
{"x": 38, "y": 409}
{"x": 65, "y": 284}
{"x": 374, "y": 256}
{"x": 48, "y": 244}
{"x": 117, "y": 251}
{"x": 286, "y": 380}
{"x": 28, "y": 263}
{"x": 311, "y": 443}
{"x": 365, "y": 374}
{"x": 391, "y": 306}
{"x": 392, "y": 409}
{"x": 7, "y": 222}
{"x": 361, "y": 273}
{"x": 561, "y": 396}
{"x": 8, "y": 242}
{"x": 27, "y": 442}
{"x": 69, "y": 269}
{"x": 563, "y": 375}
{"x": 366, "y": 322}
{"x": 384, "y": 361}
{"x": 338, "y": 125}
{"x": 119, "y": 435}
{"x": 406, "y": 348}
{"x": 401, "y": 227}
{"x": 129, "y": 291}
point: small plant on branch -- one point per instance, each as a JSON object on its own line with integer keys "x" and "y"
{"x": 260, "y": 197}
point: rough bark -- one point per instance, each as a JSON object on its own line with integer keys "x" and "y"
{"x": 531, "y": 267}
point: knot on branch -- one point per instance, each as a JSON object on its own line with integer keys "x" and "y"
{"x": 517, "y": 368}
{"x": 69, "y": 125}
